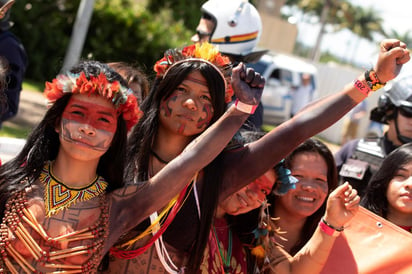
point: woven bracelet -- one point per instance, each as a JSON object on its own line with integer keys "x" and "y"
{"x": 372, "y": 80}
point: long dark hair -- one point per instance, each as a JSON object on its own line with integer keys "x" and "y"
{"x": 375, "y": 196}
{"x": 144, "y": 134}
{"x": 43, "y": 145}
{"x": 315, "y": 146}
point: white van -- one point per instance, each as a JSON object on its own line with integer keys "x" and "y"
{"x": 283, "y": 74}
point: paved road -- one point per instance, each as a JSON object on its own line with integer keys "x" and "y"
{"x": 31, "y": 110}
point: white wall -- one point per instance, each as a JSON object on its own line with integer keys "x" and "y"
{"x": 332, "y": 78}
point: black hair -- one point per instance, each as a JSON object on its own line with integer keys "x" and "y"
{"x": 145, "y": 132}
{"x": 375, "y": 198}
{"x": 43, "y": 145}
{"x": 132, "y": 74}
{"x": 315, "y": 146}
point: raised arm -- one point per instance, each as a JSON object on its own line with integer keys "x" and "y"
{"x": 130, "y": 207}
{"x": 342, "y": 205}
{"x": 270, "y": 149}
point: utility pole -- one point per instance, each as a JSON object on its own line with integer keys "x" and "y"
{"x": 315, "y": 53}
{"x": 79, "y": 32}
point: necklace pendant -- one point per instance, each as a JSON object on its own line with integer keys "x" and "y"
{"x": 227, "y": 269}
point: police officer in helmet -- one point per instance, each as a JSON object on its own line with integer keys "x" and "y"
{"x": 235, "y": 27}
{"x": 359, "y": 159}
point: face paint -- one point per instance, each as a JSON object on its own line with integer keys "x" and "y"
{"x": 181, "y": 129}
{"x": 188, "y": 110}
{"x": 164, "y": 105}
{"x": 88, "y": 124}
{"x": 97, "y": 116}
{"x": 208, "y": 109}
{"x": 311, "y": 169}
{"x": 196, "y": 80}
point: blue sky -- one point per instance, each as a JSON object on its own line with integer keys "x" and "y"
{"x": 396, "y": 15}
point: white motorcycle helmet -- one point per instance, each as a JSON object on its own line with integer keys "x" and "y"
{"x": 237, "y": 27}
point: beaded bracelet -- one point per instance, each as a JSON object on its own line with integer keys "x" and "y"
{"x": 372, "y": 80}
{"x": 330, "y": 229}
{"x": 250, "y": 109}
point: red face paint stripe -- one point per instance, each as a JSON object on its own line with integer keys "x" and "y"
{"x": 97, "y": 116}
{"x": 164, "y": 105}
{"x": 199, "y": 81}
{"x": 208, "y": 109}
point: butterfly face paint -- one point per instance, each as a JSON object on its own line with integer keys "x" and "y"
{"x": 89, "y": 123}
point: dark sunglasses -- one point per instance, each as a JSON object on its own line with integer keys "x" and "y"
{"x": 406, "y": 112}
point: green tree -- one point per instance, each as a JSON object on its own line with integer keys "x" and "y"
{"x": 364, "y": 23}
{"x": 335, "y": 8}
{"x": 405, "y": 37}
{"x": 187, "y": 11}
{"x": 120, "y": 30}
{"x": 133, "y": 34}
{"x": 328, "y": 12}
{"x": 44, "y": 26}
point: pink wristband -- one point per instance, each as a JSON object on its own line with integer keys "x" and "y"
{"x": 250, "y": 109}
{"x": 361, "y": 87}
{"x": 328, "y": 229}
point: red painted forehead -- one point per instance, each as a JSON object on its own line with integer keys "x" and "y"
{"x": 99, "y": 115}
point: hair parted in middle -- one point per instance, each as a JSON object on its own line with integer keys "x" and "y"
{"x": 204, "y": 52}
{"x": 173, "y": 68}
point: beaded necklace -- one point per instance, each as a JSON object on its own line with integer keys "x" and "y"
{"x": 48, "y": 254}
{"x": 58, "y": 196}
{"x": 225, "y": 262}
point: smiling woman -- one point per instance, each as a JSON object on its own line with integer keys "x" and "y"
{"x": 301, "y": 209}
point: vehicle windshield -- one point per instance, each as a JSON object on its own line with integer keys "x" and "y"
{"x": 259, "y": 66}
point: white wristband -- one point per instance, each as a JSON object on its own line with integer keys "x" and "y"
{"x": 250, "y": 109}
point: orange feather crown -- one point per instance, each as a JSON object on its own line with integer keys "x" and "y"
{"x": 204, "y": 52}
{"x": 121, "y": 97}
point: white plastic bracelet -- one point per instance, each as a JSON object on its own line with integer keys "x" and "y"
{"x": 245, "y": 107}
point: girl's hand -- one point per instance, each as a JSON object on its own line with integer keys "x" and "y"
{"x": 247, "y": 84}
{"x": 342, "y": 205}
{"x": 393, "y": 54}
